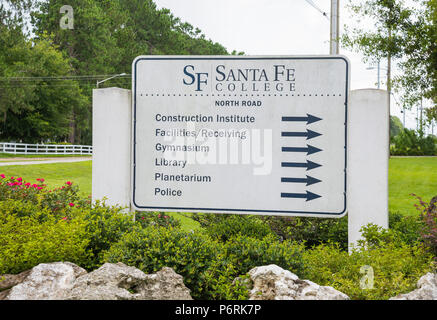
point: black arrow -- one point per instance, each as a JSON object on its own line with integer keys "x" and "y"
{"x": 309, "y": 134}
{"x": 309, "y": 119}
{"x": 309, "y": 165}
{"x": 309, "y": 149}
{"x": 308, "y": 180}
{"x": 309, "y": 195}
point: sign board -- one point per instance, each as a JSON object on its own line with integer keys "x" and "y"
{"x": 240, "y": 134}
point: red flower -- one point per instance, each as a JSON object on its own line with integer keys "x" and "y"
{"x": 69, "y": 183}
{"x": 2, "y": 176}
{"x": 19, "y": 179}
{"x": 71, "y": 204}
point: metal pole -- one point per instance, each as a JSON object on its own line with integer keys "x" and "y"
{"x": 379, "y": 75}
{"x": 335, "y": 27}
{"x": 404, "y": 117}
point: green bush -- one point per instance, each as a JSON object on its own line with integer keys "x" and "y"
{"x": 226, "y": 226}
{"x": 193, "y": 255}
{"x": 428, "y": 216}
{"x": 31, "y": 239}
{"x": 396, "y": 265}
{"x": 311, "y": 231}
{"x": 208, "y": 266}
{"x": 413, "y": 143}
{"x": 105, "y": 225}
{"x": 408, "y": 227}
{"x": 247, "y": 253}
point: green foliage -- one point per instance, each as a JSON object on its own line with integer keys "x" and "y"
{"x": 412, "y": 143}
{"x": 193, "y": 255}
{"x": 156, "y": 219}
{"x": 247, "y": 253}
{"x": 396, "y": 266}
{"x": 395, "y": 126}
{"x": 429, "y": 224}
{"x": 105, "y": 226}
{"x": 38, "y": 237}
{"x": 35, "y": 110}
{"x": 225, "y": 226}
{"x": 59, "y": 200}
{"x": 208, "y": 266}
{"x": 405, "y": 31}
{"x": 407, "y": 227}
{"x": 311, "y": 231}
{"x": 107, "y": 36}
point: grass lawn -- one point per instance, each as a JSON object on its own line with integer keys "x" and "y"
{"x": 411, "y": 175}
{"x": 406, "y": 175}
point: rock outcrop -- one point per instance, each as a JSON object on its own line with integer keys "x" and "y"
{"x": 120, "y": 282}
{"x": 426, "y": 289}
{"x": 67, "y": 281}
{"x": 47, "y": 281}
{"x": 274, "y": 283}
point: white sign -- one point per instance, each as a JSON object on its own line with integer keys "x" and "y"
{"x": 240, "y": 134}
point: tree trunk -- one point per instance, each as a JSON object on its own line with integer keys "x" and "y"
{"x": 72, "y": 134}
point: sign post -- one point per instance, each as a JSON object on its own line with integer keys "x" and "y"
{"x": 240, "y": 134}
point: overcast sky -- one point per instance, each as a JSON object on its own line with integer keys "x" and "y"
{"x": 272, "y": 27}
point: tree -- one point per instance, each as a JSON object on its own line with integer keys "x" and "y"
{"x": 407, "y": 34}
{"x": 396, "y": 126}
{"x": 35, "y": 106}
{"x": 386, "y": 39}
{"x": 419, "y": 78}
{"x": 108, "y": 35}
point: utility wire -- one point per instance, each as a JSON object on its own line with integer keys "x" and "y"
{"x": 61, "y": 78}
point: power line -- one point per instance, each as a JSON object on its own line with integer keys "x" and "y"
{"x": 59, "y": 78}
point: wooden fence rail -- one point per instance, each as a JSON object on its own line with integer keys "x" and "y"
{"x": 24, "y": 148}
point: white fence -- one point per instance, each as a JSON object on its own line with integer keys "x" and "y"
{"x": 24, "y": 148}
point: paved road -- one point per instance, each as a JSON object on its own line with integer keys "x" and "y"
{"x": 39, "y": 161}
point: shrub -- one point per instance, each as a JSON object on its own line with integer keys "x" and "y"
{"x": 38, "y": 237}
{"x": 105, "y": 225}
{"x": 57, "y": 200}
{"x": 396, "y": 265}
{"x": 247, "y": 253}
{"x": 408, "y": 227}
{"x": 225, "y": 226}
{"x": 156, "y": 219}
{"x": 311, "y": 231}
{"x": 194, "y": 255}
{"x": 428, "y": 216}
{"x": 208, "y": 266}
{"x": 413, "y": 143}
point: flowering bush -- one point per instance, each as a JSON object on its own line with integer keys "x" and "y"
{"x": 58, "y": 200}
{"x": 156, "y": 219}
{"x": 429, "y": 219}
